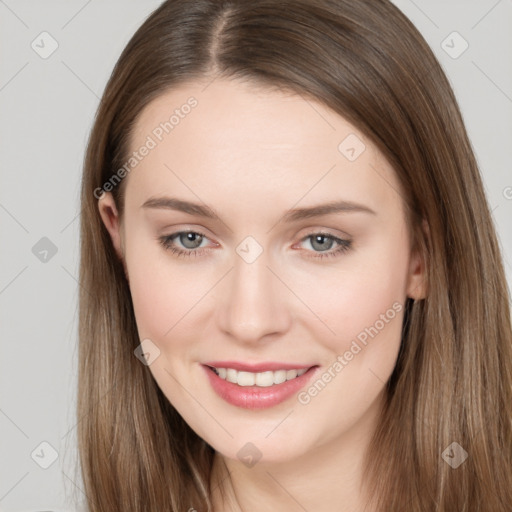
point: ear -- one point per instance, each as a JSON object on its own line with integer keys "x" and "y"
{"x": 417, "y": 278}
{"x": 110, "y": 217}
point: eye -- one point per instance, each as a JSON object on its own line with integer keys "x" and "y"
{"x": 191, "y": 240}
{"x": 325, "y": 242}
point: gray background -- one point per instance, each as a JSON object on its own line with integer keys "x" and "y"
{"x": 47, "y": 107}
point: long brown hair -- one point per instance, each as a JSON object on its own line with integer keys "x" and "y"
{"x": 453, "y": 379}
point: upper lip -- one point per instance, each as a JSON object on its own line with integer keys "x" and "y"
{"x": 257, "y": 367}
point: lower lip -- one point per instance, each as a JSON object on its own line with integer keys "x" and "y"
{"x": 255, "y": 397}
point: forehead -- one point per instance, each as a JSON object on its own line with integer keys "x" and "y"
{"x": 231, "y": 140}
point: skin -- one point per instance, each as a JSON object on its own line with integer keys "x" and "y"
{"x": 253, "y": 154}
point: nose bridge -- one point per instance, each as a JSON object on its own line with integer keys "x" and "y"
{"x": 254, "y": 304}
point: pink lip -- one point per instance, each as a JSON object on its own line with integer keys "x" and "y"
{"x": 255, "y": 397}
{"x": 259, "y": 367}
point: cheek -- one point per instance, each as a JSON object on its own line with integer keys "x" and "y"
{"x": 161, "y": 301}
{"x": 166, "y": 305}
{"x": 347, "y": 301}
{"x": 362, "y": 300}
{"x": 161, "y": 293}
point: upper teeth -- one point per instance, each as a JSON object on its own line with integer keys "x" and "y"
{"x": 263, "y": 379}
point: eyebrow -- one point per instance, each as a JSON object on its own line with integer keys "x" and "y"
{"x": 296, "y": 214}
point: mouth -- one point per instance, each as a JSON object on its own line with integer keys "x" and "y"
{"x": 257, "y": 389}
{"x": 260, "y": 379}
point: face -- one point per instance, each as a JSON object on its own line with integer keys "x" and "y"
{"x": 263, "y": 283}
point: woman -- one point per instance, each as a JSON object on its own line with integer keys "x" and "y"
{"x": 292, "y": 295}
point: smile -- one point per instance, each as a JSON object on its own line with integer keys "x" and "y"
{"x": 260, "y": 379}
{"x": 257, "y": 389}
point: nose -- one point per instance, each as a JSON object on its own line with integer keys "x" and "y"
{"x": 254, "y": 306}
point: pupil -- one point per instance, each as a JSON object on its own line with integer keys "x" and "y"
{"x": 322, "y": 241}
{"x": 190, "y": 238}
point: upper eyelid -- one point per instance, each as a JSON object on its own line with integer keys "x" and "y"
{"x": 334, "y": 232}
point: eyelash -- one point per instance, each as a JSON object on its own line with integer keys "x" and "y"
{"x": 166, "y": 241}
